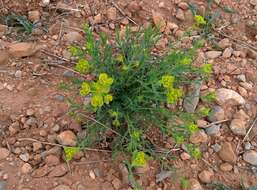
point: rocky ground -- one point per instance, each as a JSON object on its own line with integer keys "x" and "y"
{"x": 34, "y": 123}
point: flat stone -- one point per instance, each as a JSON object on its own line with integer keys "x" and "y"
{"x": 253, "y": 2}
{"x": 159, "y": 21}
{"x": 62, "y": 187}
{"x": 224, "y": 43}
{"x": 225, "y": 96}
{"x": 206, "y": 176}
{"x": 112, "y": 13}
{"x": 227, "y": 153}
{"x": 71, "y": 37}
{"x": 199, "y": 137}
{"x": 213, "y": 54}
{"x": 2, "y": 185}
{"x": 217, "y": 114}
{"x": 180, "y": 15}
{"x": 24, "y": 157}
{"x": 239, "y": 123}
{"x": 4, "y": 57}
{"x": 195, "y": 185}
{"x": 67, "y": 138}
{"x": 4, "y": 153}
{"x": 213, "y": 130}
{"x": 26, "y": 168}
{"x": 226, "y": 167}
{"x": 227, "y": 52}
{"x": 250, "y": 157}
{"x": 58, "y": 171}
{"x": 23, "y": 49}
{"x": 192, "y": 99}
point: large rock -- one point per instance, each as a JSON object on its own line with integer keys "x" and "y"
{"x": 250, "y": 157}
{"x": 67, "y": 138}
{"x": 227, "y": 153}
{"x": 23, "y": 49}
{"x": 4, "y": 57}
{"x": 225, "y": 96}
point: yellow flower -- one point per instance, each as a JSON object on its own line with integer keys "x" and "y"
{"x": 139, "y": 159}
{"x": 186, "y": 61}
{"x": 108, "y": 98}
{"x": 179, "y": 139}
{"x": 167, "y": 81}
{"x": 85, "y": 89}
{"x": 192, "y": 127}
{"x": 207, "y": 68}
{"x": 200, "y": 20}
{"x": 119, "y": 58}
{"x": 113, "y": 113}
{"x": 100, "y": 89}
{"x": 82, "y": 66}
{"x": 104, "y": 79}
{"x": 70, "y": 152}
{"x": 196, "y": 153}
{"x": 116, "y": 122}
{"x": 97, "y": 101}
{"x": 173, "y": 95}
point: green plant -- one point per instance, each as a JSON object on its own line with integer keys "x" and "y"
{"x": 21, "y": 23}
{"x": 132, "y": 90}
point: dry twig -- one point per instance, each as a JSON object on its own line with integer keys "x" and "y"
{"x": 250, "y": 129}
{"x": 216, "y": 122}
{"x": 59, "y": 145}
{"x": 90, "y": 162}
{"x": 123, "y": 13}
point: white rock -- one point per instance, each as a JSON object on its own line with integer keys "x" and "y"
{"x": 250, "y": 157}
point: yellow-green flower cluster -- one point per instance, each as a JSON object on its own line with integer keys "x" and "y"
{"x": 192, "y": 128}
{"x": 100, "y": 90}
{"x": 186, "y": 61}
{"x": 196, "y": 153}
{"x": 70, "y": 152}
{"x": 139, "y": 159}
{"x": 173, "y": 94}
{"x": 207, "y": 68}
{"x": 167, "y": 81}
{"x": 82, "y": 66}
{"x": 115, "y": 115}
{"x": 200, "y": 20}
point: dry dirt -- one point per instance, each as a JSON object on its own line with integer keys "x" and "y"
{"x": 29, "y": 84}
